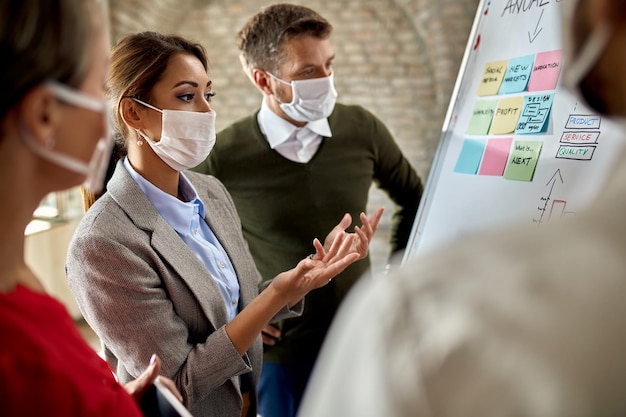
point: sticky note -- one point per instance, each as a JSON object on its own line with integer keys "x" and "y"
{"x": 517, "y": 75}
{"x": 507, "y": 114}
{"x": 523, "y": 160}
{"x": 546, "y": 71}
{"x": 481, "y": 117}
{"x": 491, "y": 79}
{"x": 470, "y": 156}
{"x": 535, "y": 114}
{"x": 495, "y": 157}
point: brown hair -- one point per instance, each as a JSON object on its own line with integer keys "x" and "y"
{"x": 137, "y": 62}
{"x": 261, "y": 39}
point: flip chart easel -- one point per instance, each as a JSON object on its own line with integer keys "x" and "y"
{"x": 515, "y": 146}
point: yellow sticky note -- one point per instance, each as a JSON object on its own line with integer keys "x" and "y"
{"x": 492, "y": 78}
{"x": 506, "y": 116}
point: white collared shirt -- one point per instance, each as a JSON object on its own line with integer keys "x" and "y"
{"x": 295, "y": 143}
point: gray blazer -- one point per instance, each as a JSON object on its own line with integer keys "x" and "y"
{"x": 144, "y": 291}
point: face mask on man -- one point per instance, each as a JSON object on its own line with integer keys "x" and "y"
{"x": 312, "y": 100}
{"x": 578, "y": 67}
{"x": 95, "y": 169}
{"x": 187, "y": 137}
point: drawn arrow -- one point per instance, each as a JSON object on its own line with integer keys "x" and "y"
{"x": 553, "y": 181}
{"x": 557, "y": 176}
{"x": 531, "y": 38}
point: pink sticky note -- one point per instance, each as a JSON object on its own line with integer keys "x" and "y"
{"x": 496, "y": 155}
{"x": 546, "y": 71}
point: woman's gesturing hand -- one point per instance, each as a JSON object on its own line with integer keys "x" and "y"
{"x": 315, "y": 271}
{"x": 340, "y": 249}
{"x": 363, "y": 234}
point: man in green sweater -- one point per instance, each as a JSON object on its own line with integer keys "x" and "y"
{"x": 293, "y": 169}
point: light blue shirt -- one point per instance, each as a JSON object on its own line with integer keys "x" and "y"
{"x": 187, "y": 219}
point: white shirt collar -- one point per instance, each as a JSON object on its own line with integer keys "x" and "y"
{"x": 278, "y": 130}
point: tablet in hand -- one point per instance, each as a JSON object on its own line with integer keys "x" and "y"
{"x": 159, "y": 401}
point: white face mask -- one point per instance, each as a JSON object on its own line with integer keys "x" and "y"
{"x": 187, "y": 137}
{"x": 95, "y": 169}
{"x": 576, "y": 68}
{"x": 312, "y": 99}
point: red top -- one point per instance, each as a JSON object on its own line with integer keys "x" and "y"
{"x": 47, "y": 368}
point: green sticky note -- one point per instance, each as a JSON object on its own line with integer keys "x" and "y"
{"x": 523, "y": 160}
{"x": 482, "y": 115}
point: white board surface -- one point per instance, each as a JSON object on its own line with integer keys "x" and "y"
{"x": 515, "y": 146}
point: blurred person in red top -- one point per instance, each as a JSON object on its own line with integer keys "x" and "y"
{"x": 52, "y": 137}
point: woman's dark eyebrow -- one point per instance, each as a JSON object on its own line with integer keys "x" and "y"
{"x": 192, "y": 83}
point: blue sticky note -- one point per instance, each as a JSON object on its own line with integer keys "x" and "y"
{"x": 535, "y": 114}
{"x": 470, "y": 156}
{"x": 517, "y": 75}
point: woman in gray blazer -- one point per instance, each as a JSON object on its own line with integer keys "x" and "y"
{"x": 159, "y": 264}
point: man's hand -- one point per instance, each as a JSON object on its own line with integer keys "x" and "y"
{"x": 270, "y": 335}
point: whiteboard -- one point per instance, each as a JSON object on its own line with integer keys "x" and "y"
{"x": 515, "y": 146}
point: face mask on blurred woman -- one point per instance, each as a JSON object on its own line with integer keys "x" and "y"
{"x": 95, "y": 169}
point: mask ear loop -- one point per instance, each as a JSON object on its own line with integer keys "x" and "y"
{"x": 140, "y": 134}
{"x": 70, "y": 96}
{"x": 146, "y": 104}
{"x": 94, "y": 169}
{"x": 278, "y": 79}
{"x": 53, "y": 156}
{"x": 284, "y": 82}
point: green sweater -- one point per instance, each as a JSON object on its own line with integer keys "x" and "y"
{"x": 284, "y": 205}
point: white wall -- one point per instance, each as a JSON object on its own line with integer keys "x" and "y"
{"x": 45, "y": 253}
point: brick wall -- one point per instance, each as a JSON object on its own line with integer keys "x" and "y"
{"x": 398, "y": 58}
